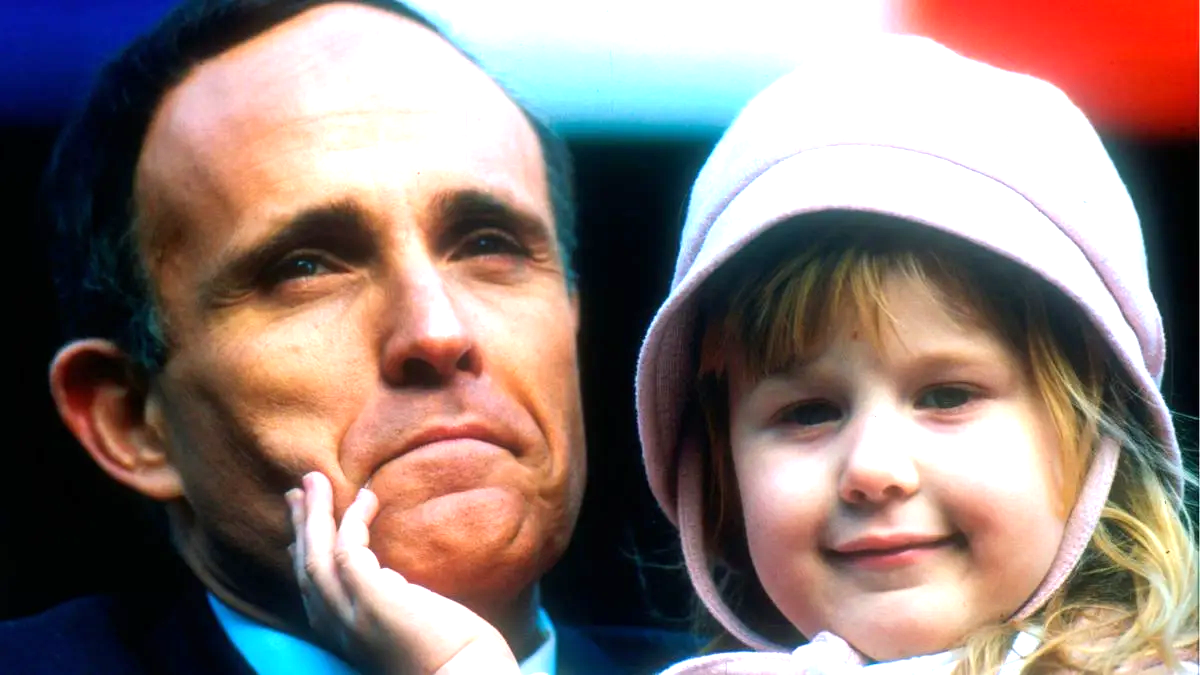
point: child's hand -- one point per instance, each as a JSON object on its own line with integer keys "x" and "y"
{"x": 371, "y": 612}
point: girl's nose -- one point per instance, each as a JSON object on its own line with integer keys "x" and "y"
{"x": 878, "y": 466}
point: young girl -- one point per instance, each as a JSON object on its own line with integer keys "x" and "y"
{"x": 901, "y": 401}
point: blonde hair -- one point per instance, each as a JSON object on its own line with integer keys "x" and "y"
{"x": 1132, "y": 598}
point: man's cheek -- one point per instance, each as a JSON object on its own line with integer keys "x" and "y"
{"x": 275, "y": 405}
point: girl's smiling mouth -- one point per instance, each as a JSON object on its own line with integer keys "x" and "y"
{"x": 892, "y": 551}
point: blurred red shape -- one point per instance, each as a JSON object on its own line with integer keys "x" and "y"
{"x": 1132, "y": 65}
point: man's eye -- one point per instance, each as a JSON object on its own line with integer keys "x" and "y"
{"x": 491, "y": 243}
{"x": 811, "y": 414}
{"x": 944, "y": 398}
{"x": 297, "y": 267}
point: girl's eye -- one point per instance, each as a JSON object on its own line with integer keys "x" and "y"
{"x": 944, "y": 398}
{"x": 491, "y": 243}
{"x": 811, "y": 414}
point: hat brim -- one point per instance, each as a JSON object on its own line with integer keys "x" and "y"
{"x": 913, "y": 186}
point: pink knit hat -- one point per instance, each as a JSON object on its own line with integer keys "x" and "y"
{"x": 904, "y": 127}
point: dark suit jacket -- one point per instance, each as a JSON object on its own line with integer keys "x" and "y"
{"x": 175, "y": 632}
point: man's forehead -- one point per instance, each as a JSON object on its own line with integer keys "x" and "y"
{"x": 338, "y": 58}
{"x": 340, "y": 84}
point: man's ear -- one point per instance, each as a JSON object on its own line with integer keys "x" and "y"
{"x": 105, "y": 402}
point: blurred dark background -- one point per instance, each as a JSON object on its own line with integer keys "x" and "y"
{"x": 66, "y": 530}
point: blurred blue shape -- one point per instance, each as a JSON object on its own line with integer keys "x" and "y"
{"x": 50, "y": 51}
{"x": 625, "y": 67}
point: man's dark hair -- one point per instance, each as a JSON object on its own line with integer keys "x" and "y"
{"x": 103, "y": 287}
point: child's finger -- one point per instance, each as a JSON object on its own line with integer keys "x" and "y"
{"x": 359, "y": 571}
{"x": 357, "y": 566}
{"x": 295, "y": 502}
{"x": 314, "y": 605}
{"x": 356, "y": 521}
{"x": 318, "y": 542}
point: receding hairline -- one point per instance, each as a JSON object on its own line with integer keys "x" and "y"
{"x": 290, "y": 44}
{"x": 307, "y": 44}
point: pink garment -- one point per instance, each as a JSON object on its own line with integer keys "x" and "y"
{"x": 902, "y": 126}
{"x": 826, "y": 654}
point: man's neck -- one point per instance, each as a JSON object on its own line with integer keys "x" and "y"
{"x": 517, "y": 622}
{"x": 260, "y": 594}
{"x": 265, "y": 595}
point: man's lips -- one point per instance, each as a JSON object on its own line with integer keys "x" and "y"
{"x": 441, "y": 460}
{"x": 456, "y": 432}
{"x": 394, "y": 425}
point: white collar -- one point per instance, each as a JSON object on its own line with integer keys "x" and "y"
{"x": 1023, "y": 645}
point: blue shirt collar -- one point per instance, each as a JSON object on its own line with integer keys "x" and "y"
{"x": 272, "y": 652}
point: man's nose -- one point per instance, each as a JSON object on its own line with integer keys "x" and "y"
{"x": 428, "y": 341}
{"x": 879, "y": 466}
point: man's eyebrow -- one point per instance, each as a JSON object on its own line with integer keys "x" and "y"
{"x": 464, "y": 208}
{"x": 341, "y": 227}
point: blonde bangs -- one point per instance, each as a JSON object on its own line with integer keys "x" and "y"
{"x": 778, "y": 321}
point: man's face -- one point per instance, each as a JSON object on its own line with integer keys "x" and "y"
{"x": 349, "y": 229}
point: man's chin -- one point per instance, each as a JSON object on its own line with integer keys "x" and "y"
{"x": 485, "y": 544}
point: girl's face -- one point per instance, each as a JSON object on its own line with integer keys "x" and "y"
{"x": 898, "y": 492}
